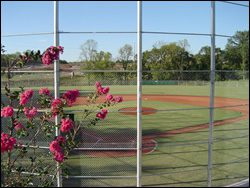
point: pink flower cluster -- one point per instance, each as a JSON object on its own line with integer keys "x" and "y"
{"x": 66, "y": 125}
{"x": 102, "y": 114}
{"x": 109, "y": 97}
{"x": 25, "y": 96}
{"x": 7, "y": 111}
{"x": 56, "y": 149}
{"x": 44, "y": 91}
{"x": 56, "y": 105}
{"x": 70, "y": 96}
{"x": 101, "y": 90}
{"x": 51, "y": 54}
{"x": 117, "y": 99}
{"x": 30, "y": 112}
{"x": 7, "y": 142}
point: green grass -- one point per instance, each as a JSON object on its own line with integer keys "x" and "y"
{"x": 230, "y": 89}
{"x": 172, "y": 118}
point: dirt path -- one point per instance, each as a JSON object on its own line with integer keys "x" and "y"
{"x": 149, "y": 143}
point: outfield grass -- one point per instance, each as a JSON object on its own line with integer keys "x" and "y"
{"x": 230, "y": 89}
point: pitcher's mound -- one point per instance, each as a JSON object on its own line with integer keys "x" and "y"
{"x": 132, "y": 111}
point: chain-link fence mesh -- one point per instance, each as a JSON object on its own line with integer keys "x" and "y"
{"x": 175, "y": 120}
{"x": 175, "y": 103}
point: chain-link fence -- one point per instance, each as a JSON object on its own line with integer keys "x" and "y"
{"x": 175, "y": 121}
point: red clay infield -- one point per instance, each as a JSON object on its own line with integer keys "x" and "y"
{"x": 132, "y": 111}
{"x": 149, "y": 144}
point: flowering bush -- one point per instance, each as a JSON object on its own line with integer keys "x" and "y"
{"x": 21, "y": 157}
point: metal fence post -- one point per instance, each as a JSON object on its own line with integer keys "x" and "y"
{"x": 139, "y": 91}
{"x": 212, "y": 80}
{"x": 57, "y": 81}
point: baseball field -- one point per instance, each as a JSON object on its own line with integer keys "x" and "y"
{"x": 175, "y": 137}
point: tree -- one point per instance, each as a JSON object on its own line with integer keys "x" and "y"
{"x": 102, "y": 61}
{"x": 159, "y": 44}
{"x": 203, "y": 58}
{"x": 103, "y": 56}
{"x": 6, "y": 59}
{"x": 125, "y": 55}
{"x": 63, "y": 61}
{"x": 203, "y": 61}
{"x": 166, "y": 57}
{"x": 184, "y": 44}
{"x": 238, "y": 46}
{"x": 88, "y": 50}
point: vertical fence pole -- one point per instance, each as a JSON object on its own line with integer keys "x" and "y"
{"x": 139, "y": 91}
{"x": 212, "y": 80}
{"x": 57, "y": 81}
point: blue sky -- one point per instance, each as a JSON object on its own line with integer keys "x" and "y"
{"x": 175, "y": 16}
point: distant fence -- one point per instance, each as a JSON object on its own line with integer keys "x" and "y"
{"x": 114, "y": 77}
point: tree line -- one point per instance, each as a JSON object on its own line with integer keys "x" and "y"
{"x": 165, "y": 56}
{"x": 171, "y": 56}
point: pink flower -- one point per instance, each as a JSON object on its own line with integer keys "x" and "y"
{"x": 51, "y": 54}
{"x": 70, "y": 96}
{"x": 30, "y": 112}
{"x": 57, "y": 102}
{"x": 56, "y": 150}
{"x": 47, "y": 59}
{"x": 59, "y": 157}
{"x": 118, "y": 99}
{"x": 102, "y": 90}
{"x": 61, "y": 139}
{"x": 18, "y": 126}
{"x": 56, "y": 105}
{"x": 98, "y": 84}
{"x": 102, "y": 114}
{"x": 44, "y": 91}
{"x": 105, "y": 90}
{"x": 109, "y": 97}
{"x": 60, "y": 49}
{"x": 28, "y": 93}
{"x": 99, "y": 90}
{"x": 55, "y": 147}
{"x": 25, "y": 96}
{"x": 23, "y": 99}
{"x": 7, "y": 142}
{"x": 66, "y": 125}
{"x": 7, "y": 111}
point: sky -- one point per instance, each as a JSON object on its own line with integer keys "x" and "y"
{"x": 169, "y": 16}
